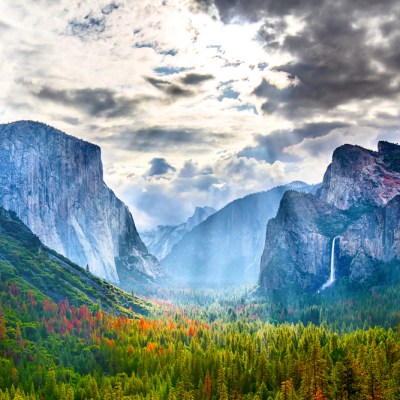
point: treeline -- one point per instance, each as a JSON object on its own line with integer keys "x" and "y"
{"x": 62, "y": 352}
{"x": 342, "y": 308}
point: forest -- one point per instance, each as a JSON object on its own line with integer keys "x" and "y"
{"x": 65, "y": 351}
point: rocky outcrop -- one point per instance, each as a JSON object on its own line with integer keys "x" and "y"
{"x": 226, "y": 248}
{"x": 358, "y": 202}
{"x": 360, "y": 176}
{"x": 161, "y": 240}
{"x": 374, "y": 237}
{"x": 54, "y": 183}
{"x": 297, "y": 257}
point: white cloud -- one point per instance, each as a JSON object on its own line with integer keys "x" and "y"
{"x": 174, "y": 198}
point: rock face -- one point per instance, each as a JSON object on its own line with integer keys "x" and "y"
{"x": 161, "y": 240}
{"x": 358, "y": 203}
{"x": 226, "y": 248}
{"x": 54, "y": 183}
{"x": 360, "y": 176}
{"x": 301, "y": 247}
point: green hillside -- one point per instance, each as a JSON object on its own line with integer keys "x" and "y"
{"x": 25, "y": 261}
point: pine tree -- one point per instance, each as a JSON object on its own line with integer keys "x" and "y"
{"x": 207, "y": 386}
{"x": 2, "y": 324}
{"x": 50, "y": 385}
{"x": 221, "y": 385}
{"x": 287, "y": 390}
{"x": 347, "y": 383}
{"x": 70, "y": 394}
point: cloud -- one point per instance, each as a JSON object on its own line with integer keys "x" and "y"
{"x": 191, "y": 169}
{"x": 334, "y": 66}
{"x": 171, "y": 89}
{"x": 96, "y": 102}
{"x": 4, "y": 26}
{"x": 322, "y": 147}
{"x": 188, "y": 170}
{"x": 215, "y": 184}
{"x": 341, "y": 53}
{"x": 156, "y": 139}
{"x": 109, "y": 8}
{"x": 255, "y": 10}
{"x": 150, "y": 139}
{"x": 89, "y": 26}
{"x": 160, "y": 166}
{"x": 195, "y": 79}
{"x": 169, "y": 70}
{"x": 93, "y": 24}
{"x": 272, "y": 147}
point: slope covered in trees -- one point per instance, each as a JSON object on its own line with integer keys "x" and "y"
{"x": 32, "y": 266}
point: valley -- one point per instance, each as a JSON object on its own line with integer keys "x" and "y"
{"x": 291, "y": 293}
{"x": 199, "y": 200}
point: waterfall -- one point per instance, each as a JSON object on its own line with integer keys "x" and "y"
{"x": 332, "y": 274}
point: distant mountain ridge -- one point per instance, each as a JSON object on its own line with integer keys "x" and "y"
{"x": 54, "y": 183}
{"x": 161, "y": 240}
{"x": 358, "y": 203}
{"x": 225, "y": 249}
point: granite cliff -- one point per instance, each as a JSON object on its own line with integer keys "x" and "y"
{"x": 358, "y": 203}
{"x": 54, "y": 183}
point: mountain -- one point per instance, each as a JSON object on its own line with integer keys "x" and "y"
{"x": 226, "y": 248}
{"x": 161, "y": 240}
{"x": 358, "y": 203}
{"x": 360, "y": 176}
{"x": 31, "y": 266}
{"x": 54, "y": 183}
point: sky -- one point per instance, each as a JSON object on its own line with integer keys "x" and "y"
{"x": 199, "y": 102}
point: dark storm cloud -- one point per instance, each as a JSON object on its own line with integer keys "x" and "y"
{"x": 269, "y": 33}
{"x": 256, "y": 10}
{"x": 270, "y": 148}
{"x": 156, "y": 138}
{"x": 336, "y": 65}
{"x": 195, "y": 79}
{"x": 336, "y": 58}
{"x": 160, "y": 166}
{"x": 94, "y": 102}
{"x": 71, "y": 120}
{"x": 171, "y": 89}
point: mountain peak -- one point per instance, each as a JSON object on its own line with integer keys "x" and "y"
{"x": 161, "y": 240}
{"x": 39, "y": 129}
{"x": 200, "y": 214}
{"x": 387, "y": 148}
{"x": 361, "y": 176}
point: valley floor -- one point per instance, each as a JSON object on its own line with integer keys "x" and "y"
{"x": 205, "y": 346}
